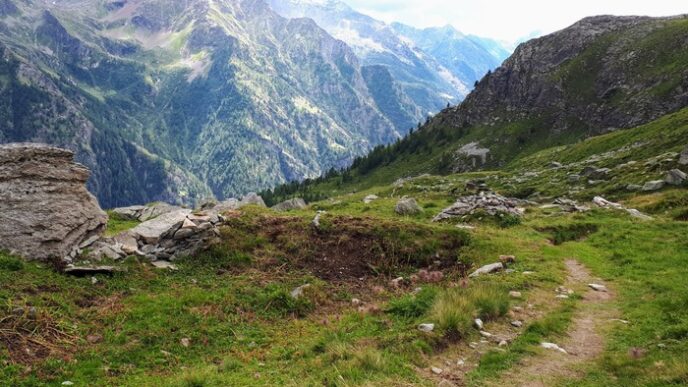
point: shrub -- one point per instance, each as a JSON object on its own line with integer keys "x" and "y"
{"x": 9, "y": 263}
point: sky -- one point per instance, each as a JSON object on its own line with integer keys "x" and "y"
{"x": 509, "y": 20}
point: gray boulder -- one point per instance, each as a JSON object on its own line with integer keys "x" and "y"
{"x": 45, "y": 210}
{"x": 252, "y": 199}
{"x": 152, "y": 231}
{"x": 596, "y": 173}
{"x": 683, "y": 158}
{"x": 675, "y": 177}
{"x": 408, "y": 206}
{"x": 144, "y": 213}
{"x": 291, "y": 204}
{"x": 653, "y": 185}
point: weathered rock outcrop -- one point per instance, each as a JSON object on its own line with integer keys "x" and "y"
{"x": 291, "y": 204}
{"x": 490, "y": 203}
{"x": 46, "y": 213}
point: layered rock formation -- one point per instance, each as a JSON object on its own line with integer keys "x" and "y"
{"x": 46, "y": 213}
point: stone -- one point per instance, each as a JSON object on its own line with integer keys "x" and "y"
{"x": 516, "y": 324}
{"x": 637, "y": 214}
{"x": 155, "y": 210}
{"x": 298, "y": 292}
{"x": 397, "y": 282}
{"x": 152, "y": 231}
{"x": 555, "y": 165}
{"x": 291, "y": 204}
{"x": 598, "y": 287}
{"x": 225, "y": 206}
{"x": 675, "y": 177}
{"x": 355, "y": 302}
{"x": 370, "y": 198}
{"x": 316, "y": 220}
{"x": 478, "y": 323}
{"x": 553, "y": 346}
{"x": 515, "y": 294}
{"x": 634, "y": 187}
{"x": 683, "y": 158}
{"x": 185, "y": 342}
{"x": 488, "y": 269}
{"x": 94, "y": 339}
{"x": 427, "y": 328}
{"x": 128, "y": 213}
{"x": 503, "y": 343}
{"x": 252, "y": 199}
{"x": 407, "y": 206}
{"x": 436, "y": 370}
{"x": 164, "y": 265}
{"x": 654, "y": 185}
{"x": 486, "y": 335}
{"x": 596, "y": 173}
{"x": 46, "y": 212}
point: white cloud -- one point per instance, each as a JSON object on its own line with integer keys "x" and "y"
{"x": 509, "y": 20}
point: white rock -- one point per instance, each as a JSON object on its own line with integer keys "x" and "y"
{"x": 515, "y": 294}
{"x": 488, "y": 269}
{"x": 562, "y": 296}
{"x": 67, "y": 383}
{"x": 151, "y": 231}
{"x": 437, "y": 371}
{"x": 427, "y": 328}
{"x": 479, "y": 323}
{"x": 298, "y": 292}
{"x": 553, "y": 346}
{"x": 485, "y": 334}
{"x": 503, "y": 343}
{"x": 598, "y": 288}
{"x": 517, "y": 323}
{"x": 370, "y": 198}
{"x": 164, "y": 265}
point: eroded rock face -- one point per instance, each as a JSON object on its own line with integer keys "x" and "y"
{"x": 45, "y": 210}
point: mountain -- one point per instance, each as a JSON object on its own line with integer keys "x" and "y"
{"x": 603, "y": 74}
{"x": 430, "y": 81}
{"x": 468, "y": 57}
{"x": 178, "y": 101}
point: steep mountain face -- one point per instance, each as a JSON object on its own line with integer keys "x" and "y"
{"x": 182, "y": 100}
{"x": 602, "y": 74}
{"x": 426, "y": 80}
{"x": 468, "y": 57}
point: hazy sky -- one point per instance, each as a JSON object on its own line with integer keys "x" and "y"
{"x": 509, "y": 19}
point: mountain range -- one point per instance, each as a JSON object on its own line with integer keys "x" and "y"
{"x": 186, "y": 100}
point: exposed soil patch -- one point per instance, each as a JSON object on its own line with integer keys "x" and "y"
{"x": 347, "y": 248}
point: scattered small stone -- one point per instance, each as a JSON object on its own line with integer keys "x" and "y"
{"x": 479, "y": 324}
{"x": 437, "y": 371}
{"x": 515, "y": 294}
{"x": 370, "y": 198}
{"x": 675, "y": 177}
{"x": 427, "y": 327}
{"x": 298, "y": 292}
{"x": 461, "y": 362}
{"x": 164, "y": 265}
{"x": 67, "y": 383}
{"x": 654, "y": 185}
{"x": 490, "y": 203}
{"x": 517, "y": 324}
{"x": 94, "y": 280}
{"x": 598, "y": 288}
{"x": 562, "y": 296}
{"x": 407, "y": 206}
{"x": 185, "y": 342}
{"x": 397, "y": 282}
{"x": 596, "y": 173}
{"x": 316, "y": 220}
{"x": 488, "y": 269}
{"x": 553, "y": 346}
{"x": 355, "y": 302}
{"x": 503, "y": 343}
{"x": 485, "y": 334}
{"x": 473, "y": 345}
{"x": 94, "y": 339}
{"x": 555, "y": 165}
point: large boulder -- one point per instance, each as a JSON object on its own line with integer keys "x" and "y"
{"x": 291, "y": 204}
{"x": 675, "y": 177}
{"x": 252, "y": 199}
{"x": 683, "y": 158}
{"x": 46, "y": 213}
{"x": 408, "y": 206}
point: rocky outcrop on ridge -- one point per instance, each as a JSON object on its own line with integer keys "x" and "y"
{"x": 46, "y": 213}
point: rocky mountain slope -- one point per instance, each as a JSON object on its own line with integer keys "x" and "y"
{"x": 184, "y": 100}
{"x": 432, "y": 74}
{"x": 600, "y": 75}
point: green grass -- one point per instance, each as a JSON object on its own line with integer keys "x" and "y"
{"x": 116, "y": 224}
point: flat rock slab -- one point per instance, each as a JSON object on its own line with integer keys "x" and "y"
{"x": 151, "y": 231}
{"x": 488, "y": 269}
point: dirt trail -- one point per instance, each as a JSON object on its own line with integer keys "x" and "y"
{"x": 583, "y": 343}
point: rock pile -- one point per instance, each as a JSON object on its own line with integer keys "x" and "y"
{"x": 144, "y": 213}
{"x": 490, "y": 203}
{"x": 46, "y": 213}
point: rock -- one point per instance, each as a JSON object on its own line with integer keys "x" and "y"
{"x": 573, "y": 178}
{"x": 252, "y": 199}
{"x": 562, "y": 296}
{"x": 45, "y": 210}
{"x": 225, "y": 206}
{"x": 67, "y": 383}
{"x": 298, "y": 292}
{"x": 553, "y": 346}
{"x": 164, "y": 265}
{"x": 634, "y": 187}
{"x": 637, "y": 214}
{"x": 570, "y": 205}
{"x": 503, "y": 343}
{"x": 153, "y": 230}
{"x": 316, "y": 220}
{"x": 185, "y": 342}
{"x": 437, "y": 371}
{"x": 94, "y": 339}
{"x": 83, "y": 271}
{"x": 397, "y": 282}
{"x": 478, "y": 324}
{"x": 602, "y": 202}
{"x": 515, "y": 294}
{"x": 555, "y": 165}
{"x": 596, "y": 173}
{"x": 654, "y": 185}
{"x": 355, "y": 302}
{"x": 683, "y": 158}
{"x": 370, "y": 198}
{"x": 291, "y": 204}
{"x": 486, "y": 335}
{"x": 675, "y": 177}
{"x": 427, "y": 328}
{"x": 94, "y": 280}
{"x": 488, "y": 269}
{"x": 492, "y": 204}
{"x": 597, "y": 287}
{"x": 128, "y": 213}
{"x": 516, "y": 323}
{"x": 407, "y": 206}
